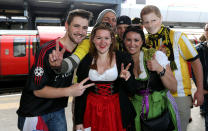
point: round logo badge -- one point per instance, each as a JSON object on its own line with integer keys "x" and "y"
{"x": 38, "y": 71}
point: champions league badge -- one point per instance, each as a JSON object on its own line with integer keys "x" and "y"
{"x": 38, "y": 71}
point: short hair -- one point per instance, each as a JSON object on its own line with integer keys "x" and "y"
{"x": 79, "y": 12}
{"x": 150, "y": 9}
{"x": 205, "y": 25}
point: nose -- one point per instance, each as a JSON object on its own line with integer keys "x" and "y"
{"x": 149, "y": 24}
{"x": 123, "y": 30}
{"x": 111, "y": 22}
{"x": 103, "y": 40}
{"x": 81, "y": 30}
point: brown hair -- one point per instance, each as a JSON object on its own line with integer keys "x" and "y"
{"x": 93, "y": 50}
{"x": 150, "y": 9}
{"x": 78, "y": 12}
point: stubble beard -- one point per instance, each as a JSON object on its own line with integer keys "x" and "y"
{"x": 72, "y": 39}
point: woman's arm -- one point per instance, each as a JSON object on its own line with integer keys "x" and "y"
{"x": 166, "y": 74}
{"x": 168, "y": 79}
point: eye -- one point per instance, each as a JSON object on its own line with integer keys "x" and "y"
{"x": 128, "y": 39}
{"x": 146, "y": 22}
{"x": 76, "y": 25}
{"x": 85, "y": 27}
{"x": 107, "y": 38}
{"x": 114, "y": 20}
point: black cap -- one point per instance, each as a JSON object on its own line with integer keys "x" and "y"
{"x": 136, "y": 20}
{"x": 123, "y": 20}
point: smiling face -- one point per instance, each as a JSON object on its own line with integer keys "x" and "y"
{"x": 133, "y": 42}
{"x": 121, "y": 29}
{"x": 77, "y": 30}
{"x": 152, "y": 22}
{"x": 102, "y": 41}
{"x": 110, "y": 18}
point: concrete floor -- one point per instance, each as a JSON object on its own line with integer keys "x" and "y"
{"x": 10, "y": 103}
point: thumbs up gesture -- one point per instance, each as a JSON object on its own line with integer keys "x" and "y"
{"x": 153, "y": 65}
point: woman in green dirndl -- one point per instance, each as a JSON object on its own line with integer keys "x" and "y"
{"x": 155, "y": 107}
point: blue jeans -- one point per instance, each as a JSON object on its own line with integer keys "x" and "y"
{"x": 56, "y": 121}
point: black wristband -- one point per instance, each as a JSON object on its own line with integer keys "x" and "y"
{"x": 162, "y": 73}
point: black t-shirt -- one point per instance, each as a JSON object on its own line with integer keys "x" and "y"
{"x": 40, "y": 75}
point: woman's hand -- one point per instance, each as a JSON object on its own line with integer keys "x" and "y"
{"x": 80, "y": 127}
{"x": 125, "y": 74}
{"x": 153, "y": 65}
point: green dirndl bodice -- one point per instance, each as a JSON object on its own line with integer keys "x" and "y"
{"x": 158, "y": 100}
{"x": 157, "y": 104}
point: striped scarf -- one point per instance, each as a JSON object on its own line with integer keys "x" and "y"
{"x": 163, "y": 37}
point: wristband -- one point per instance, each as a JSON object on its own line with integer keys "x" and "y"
{"x": 162, "y": 73}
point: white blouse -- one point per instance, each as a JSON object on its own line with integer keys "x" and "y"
{"x": 159, "y": 56}
{"x": 109, "y": 74}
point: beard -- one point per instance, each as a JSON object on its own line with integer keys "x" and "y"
{"x": 72, "y": 39}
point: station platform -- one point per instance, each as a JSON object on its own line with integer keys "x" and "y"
{"x": 10, "y": 103}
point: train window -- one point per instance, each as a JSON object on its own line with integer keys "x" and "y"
{"x": 35, "y": 45}
{"x": 19, "y": 47}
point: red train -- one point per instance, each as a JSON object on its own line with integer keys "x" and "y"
{"x": 17, "y": 49}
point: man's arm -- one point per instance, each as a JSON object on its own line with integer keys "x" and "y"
{"x": 73, "y": 90}
{"x": 198, "y": 73}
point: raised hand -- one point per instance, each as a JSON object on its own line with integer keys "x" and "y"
{"x": 125, "y": 74}
{"x": 79, "y": 88}
{"x": 56, "y": 57}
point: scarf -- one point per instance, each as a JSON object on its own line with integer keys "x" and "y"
{"x": 163, "y": 36}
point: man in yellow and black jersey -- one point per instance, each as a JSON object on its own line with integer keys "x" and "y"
{"x": 179, "y": 51}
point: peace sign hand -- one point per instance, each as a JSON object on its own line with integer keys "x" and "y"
{"x": 79, "y": 88}
{"x": 56, "y": 57}
{"x": 125, "y": 74}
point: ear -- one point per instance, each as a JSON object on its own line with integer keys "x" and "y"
{"x": 161, "y": 19}
{"x": 66, "y": 26}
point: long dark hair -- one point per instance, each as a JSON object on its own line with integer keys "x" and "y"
{"x": 136, "y": 29}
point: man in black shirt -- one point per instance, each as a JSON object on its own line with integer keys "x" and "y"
{"x": 46, "y": 93}
{"x": 202, "y": 49}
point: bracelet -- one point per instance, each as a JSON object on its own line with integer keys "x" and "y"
{"x": 162, "y": 73}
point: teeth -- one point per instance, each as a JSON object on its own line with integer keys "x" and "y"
{"x": 131, "y": 48}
